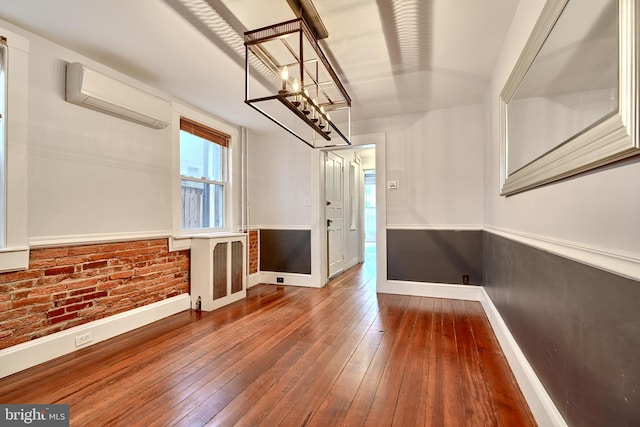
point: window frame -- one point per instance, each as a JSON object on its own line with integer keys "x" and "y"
{"x": 213, "y": 136}
{"x": 223, "y": 129}
{"x": 14, "y": 251}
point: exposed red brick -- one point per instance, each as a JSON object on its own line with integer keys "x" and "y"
{"x": 11, "y": 341}
{"x": 136, "y": 253}
{"x": 59, "y": 270}
{"x": 146, "y": 270}
{"x": 92, "y": 311}
{"x": 59, "y": 319}
{"x": 38, "y": 264}
{"x": 47, "y": 290}
{"x": 66, "y": 287}
{"x": 68, "y": 301}
{"x": 72, "y": 260}
{"x": 94, "y": 295}
{"x": 12, "y": 314}
{"x": 101, "y": 256}
{"x": 72, "y": 284}
{"x": 83, "y": 250}
{"x": 109, "y": 284}
{"x": 82, "y": 291}
{"x": 56, "y": 312}
{"x": 78, "y": 307}
{"x": 95, "y": 264}
{"x": 138, "y": 244}
{"x": 121, "y": 275}
{"x": 41, "y": 308}
{"x": 25, "y": 302}
{"x": 20, "y": 275}
{"x": 48, "y": 253}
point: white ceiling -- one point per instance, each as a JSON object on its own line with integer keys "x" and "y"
{"x": 394, "y": 57}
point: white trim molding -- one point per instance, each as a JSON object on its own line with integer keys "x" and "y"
{"x": 28, "y": 354}
{"x": 626, "y": 265}
{"x": 431, "y": 290}
{"x": 92, "y": 239}
{"x": 290, "y": 279}
{"x": 14, "y": 259}
{"x": 279, "y": 227}
{"x": 452, "y": 227}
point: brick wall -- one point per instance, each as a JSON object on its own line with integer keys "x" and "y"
{"x": 69, "y": 286}
{"x": 253, "y": 251}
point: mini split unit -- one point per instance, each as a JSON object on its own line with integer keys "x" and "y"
{"x": 91, "y": 89}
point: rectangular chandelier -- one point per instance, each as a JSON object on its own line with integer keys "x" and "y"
{"x": 295, "y": 86}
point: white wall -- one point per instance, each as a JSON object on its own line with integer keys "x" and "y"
{"x": 89, "y": 173}
{"x": 438, "y": 164}
{"x": 92, "y": 176}
{"x": 599, "y": 209}
{"x": 279, "y": 181}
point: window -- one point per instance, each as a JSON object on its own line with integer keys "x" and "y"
{"x": 203, "y": 175}
{"x": 14, "y": 84}
{"x": 3, "y": 133}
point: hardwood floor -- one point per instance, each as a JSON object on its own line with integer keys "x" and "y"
{"x": 290, "y": 356}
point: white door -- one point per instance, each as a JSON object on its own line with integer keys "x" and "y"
{"x": 334, "y": 188}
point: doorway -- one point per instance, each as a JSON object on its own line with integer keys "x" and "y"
{"x": 369, "y": 212}
{"x": 349, "y": 208}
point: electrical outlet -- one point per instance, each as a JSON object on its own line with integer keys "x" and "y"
{"x": 83, "y": 339}
{"x": 279, "y": 279}
{"x": 465, "y": 279}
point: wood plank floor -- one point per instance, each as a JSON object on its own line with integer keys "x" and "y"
{"x": 290, "y": 356}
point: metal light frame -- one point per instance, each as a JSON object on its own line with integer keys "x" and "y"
{"x": 315, "y": 77}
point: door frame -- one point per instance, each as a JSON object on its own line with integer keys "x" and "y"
{"x": 318, "y": 218}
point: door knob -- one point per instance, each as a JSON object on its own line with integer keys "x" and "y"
{"x": 328, "y": 202}
{"x": 329, "y": 223}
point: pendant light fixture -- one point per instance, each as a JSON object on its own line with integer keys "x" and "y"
{"x": 294, "y": 85}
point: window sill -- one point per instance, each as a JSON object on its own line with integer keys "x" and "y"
{"x": 182, "y": 242}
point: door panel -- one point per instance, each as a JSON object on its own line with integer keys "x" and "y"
{"x": 334, "y": 188}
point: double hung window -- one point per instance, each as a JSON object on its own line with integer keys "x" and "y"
{"x": 204, "y": 175}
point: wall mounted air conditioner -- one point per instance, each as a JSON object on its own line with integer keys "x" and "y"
{"x": 91, "y": 89}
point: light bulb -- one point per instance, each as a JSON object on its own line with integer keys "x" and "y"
{"x": 296, "y": 89}
{"x": 285, "y": 77}
{"x": 305, "y": 105}
{"x": 321, "y": 125}
{"x": 314, "y": 117}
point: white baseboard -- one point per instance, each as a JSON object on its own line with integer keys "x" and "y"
{"x": 291, "y": 279}
{"x": 254, "y": 279}
{"x": 433, "y": 290}
{"x": 540, "y": 404}
{"x": 28, "y": 354}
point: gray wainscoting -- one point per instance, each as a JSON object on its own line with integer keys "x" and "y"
{"x": 285, "y": 251}
{"x": 578, "y": 326}
{"x": 434, "y": 256}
